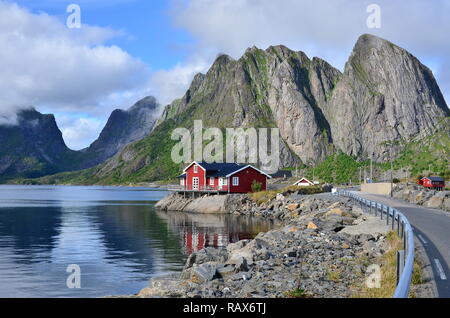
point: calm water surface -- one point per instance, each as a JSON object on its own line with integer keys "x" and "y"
{"x": 114, "y": 234}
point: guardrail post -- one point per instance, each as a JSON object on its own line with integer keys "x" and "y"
{"x": 405, "y": 241}
{"x": 381, "y": 210}
{"x": 387, "y": 215}
{"x": 400, "y": 264}
{"x": 398, "y": 225}
{"x": 393, "y": 220}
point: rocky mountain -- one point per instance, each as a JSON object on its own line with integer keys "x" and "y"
{"x": 122, "y": 128}
{"x": 34, "y": 147}
{"x": 276, "y": 87}
{"x": 384, "y": 97}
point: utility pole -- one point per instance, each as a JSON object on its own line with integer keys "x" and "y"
{"x": 314, "y": 177}
{"x": 371, "y": 170}
{"x": 392, "y": 168}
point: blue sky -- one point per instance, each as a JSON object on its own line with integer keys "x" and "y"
{"x": 129, "y": 49}
{"x": 149, "y": 33}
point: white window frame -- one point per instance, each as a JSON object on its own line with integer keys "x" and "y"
{"x": 225, "y": 181}
{"x": 235, "y": 181}
{"x": 195, "y": 169}
{"x": 182, "y": 182}
{"x": 211, "y": 181}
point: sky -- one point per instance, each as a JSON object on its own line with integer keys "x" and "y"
{"x": 128, "y": 49}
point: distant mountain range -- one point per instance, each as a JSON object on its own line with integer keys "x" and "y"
{"x": 35, "y": 146}
{"x": 384, "y": 99}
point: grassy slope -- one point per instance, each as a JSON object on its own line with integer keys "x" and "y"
{"x": 418, "y": 157}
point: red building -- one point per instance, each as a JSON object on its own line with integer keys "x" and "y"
{"x": 436, "y": 183}
{"x": 222, "y": 177}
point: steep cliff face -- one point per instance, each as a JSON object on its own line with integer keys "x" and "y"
{"x": 384, "y": 96}
{"x": 33, "y": 147}
{"x": 122, "y": 128}
{"x": 276, "y": 87}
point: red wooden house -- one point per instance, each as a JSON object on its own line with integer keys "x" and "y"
{"x": 436, "y": 183}
{"x": 222, "y": 177}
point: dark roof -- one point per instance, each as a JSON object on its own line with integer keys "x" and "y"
{"x": 182, "y": 176}
{"x": 220, "y": 169}
{"x": 435, "y": 179}
{"x": 282, "y": 174}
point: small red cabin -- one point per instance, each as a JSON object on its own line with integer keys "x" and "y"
{"x": 222, "y": 177}
{"x": 436, "y": 183}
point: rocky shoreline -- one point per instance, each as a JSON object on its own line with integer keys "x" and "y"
{"x": 424, "y": 197}
{"x": 322, "y": 250}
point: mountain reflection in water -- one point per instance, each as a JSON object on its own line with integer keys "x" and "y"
{"x": 113, "y": 233}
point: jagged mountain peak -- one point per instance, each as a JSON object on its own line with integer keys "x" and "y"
{"x": 146, "y": 103}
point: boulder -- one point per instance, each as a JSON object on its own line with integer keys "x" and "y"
{"x": 225, "y": 271}
{"x": 337, "y": 211}
{"x": 434, "y": 202}
{"x": 446, "y": 204}
{"x": 240, "y": 264}
{"x": 312, "y": 226}
{"x": 165, "y": 286}
{"x": 203, "y": 273}
{"x": 206, "y": 255}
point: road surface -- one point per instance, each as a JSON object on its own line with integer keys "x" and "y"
{"x": 432, "y": 228}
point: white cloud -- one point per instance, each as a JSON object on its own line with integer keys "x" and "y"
{"x": 47, "y": 65}
{"x": 168, "y": 85}
{"x": 323, "y": 28}
{"x": 77, "y": 131}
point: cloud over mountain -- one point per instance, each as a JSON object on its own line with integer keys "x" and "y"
{"x": 46, "y": 64}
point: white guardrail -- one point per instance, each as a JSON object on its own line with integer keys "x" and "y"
{"x": 394, "y": 218}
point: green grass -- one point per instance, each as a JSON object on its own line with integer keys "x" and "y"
{"x": 388, "y": 263}
{"x": 297, "y": 293}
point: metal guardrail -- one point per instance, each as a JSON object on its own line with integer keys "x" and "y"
{"x": 394, "y": 218}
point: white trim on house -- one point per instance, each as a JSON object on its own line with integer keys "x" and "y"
{"x": 304, "y": 179}
{"x": 235, "y": 181}
{"x": 249, "y": 166}
{"x": 195, "y": 162}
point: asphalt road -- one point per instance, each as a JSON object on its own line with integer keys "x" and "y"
{"x": 432, "y": 228}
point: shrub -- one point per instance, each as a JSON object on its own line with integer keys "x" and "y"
{"x": 256, "y": 186}
{"x": 395, "y": 180}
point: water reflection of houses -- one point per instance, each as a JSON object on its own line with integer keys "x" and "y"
{"x": 212, "y": 230}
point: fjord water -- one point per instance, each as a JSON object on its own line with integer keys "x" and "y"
{"x": 113, "y": 234}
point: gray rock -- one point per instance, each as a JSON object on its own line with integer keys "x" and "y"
{"x": 204, "y": 272}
